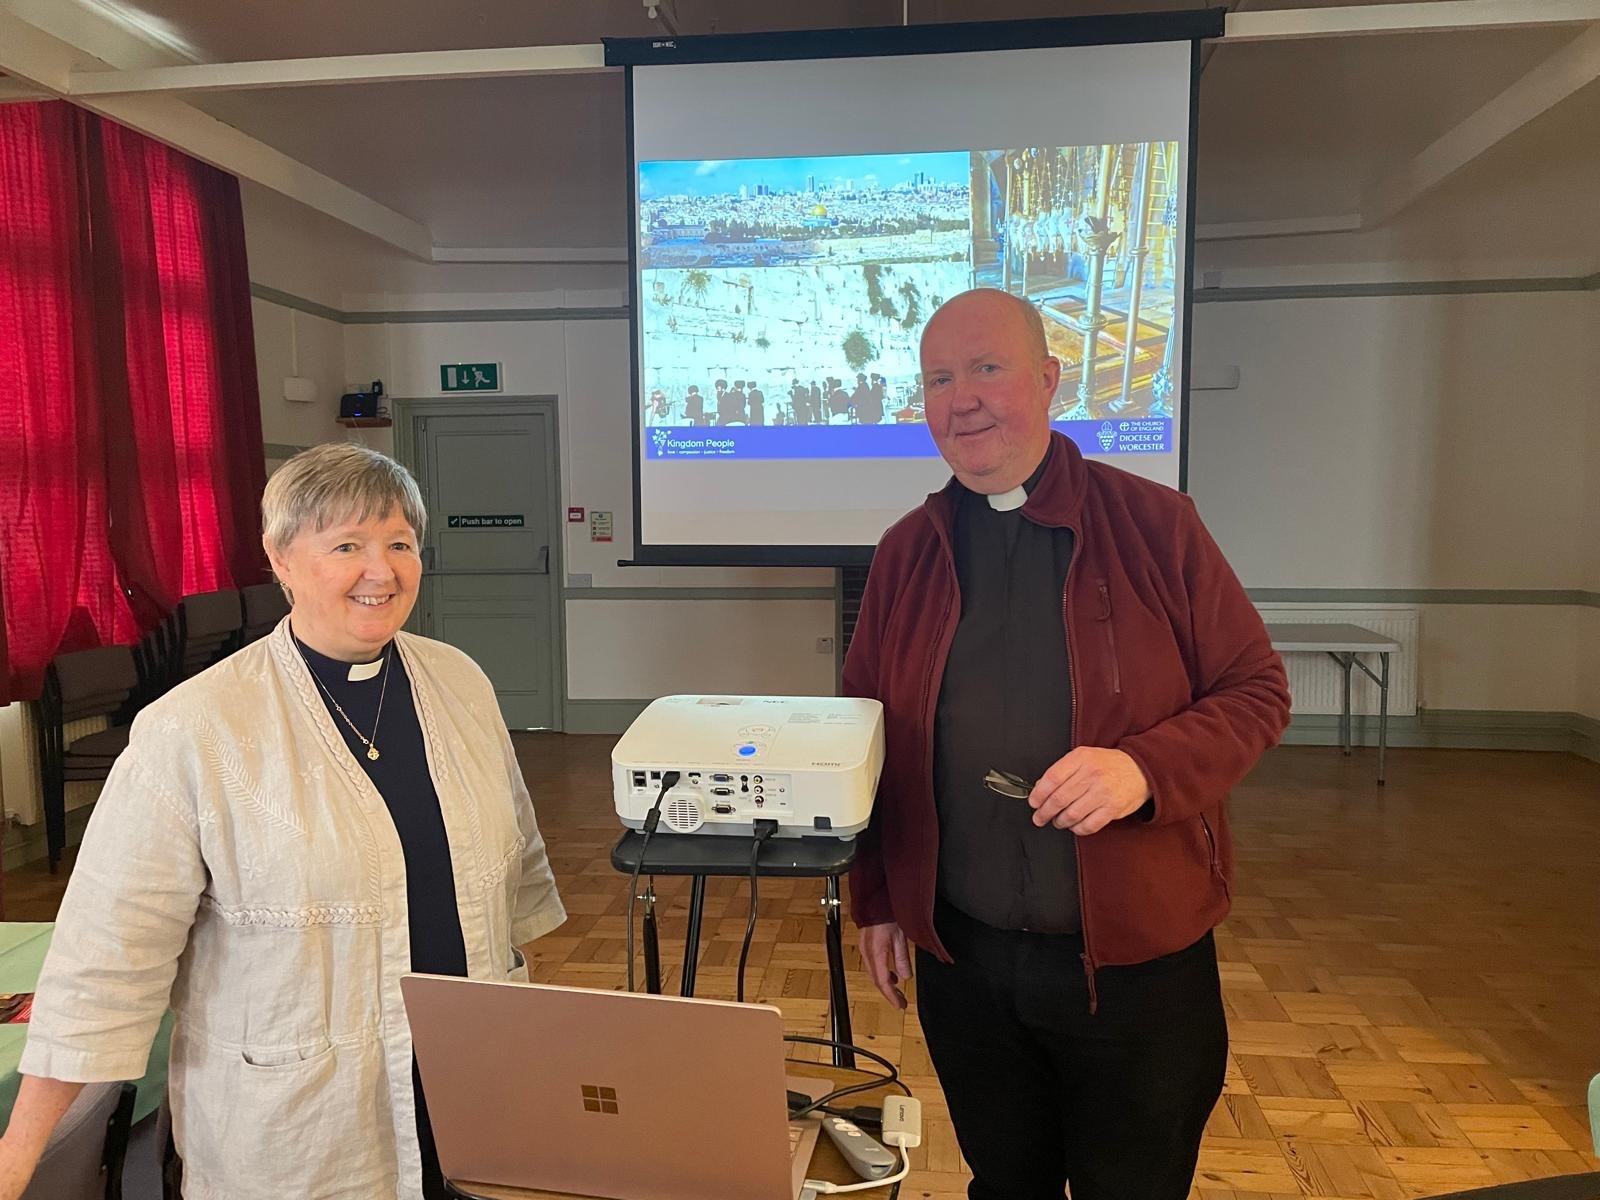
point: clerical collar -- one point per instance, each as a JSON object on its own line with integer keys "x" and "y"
{"x": 1018, "y": 496}
{"x": 333, "y": 668}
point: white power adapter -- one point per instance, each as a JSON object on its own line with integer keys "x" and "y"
{"x": 902, "y": 1122}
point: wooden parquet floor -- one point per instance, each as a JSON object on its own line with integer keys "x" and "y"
{"x": 1412, "y": 973}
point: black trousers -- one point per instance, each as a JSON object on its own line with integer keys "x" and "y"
{"x": 1043, "y": 1094}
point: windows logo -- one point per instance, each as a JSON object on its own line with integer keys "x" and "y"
{"x": 599, "y": 1099}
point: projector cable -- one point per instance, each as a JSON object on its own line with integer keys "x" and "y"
{"x": 669, "y": 780}
{"x": 765, "y": 828}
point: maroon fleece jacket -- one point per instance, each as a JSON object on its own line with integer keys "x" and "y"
{"x": 1169, "y": 660}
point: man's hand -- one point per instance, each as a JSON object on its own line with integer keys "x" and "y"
{"x": 1087, "y": 790}
{"x": 883, "y": 949}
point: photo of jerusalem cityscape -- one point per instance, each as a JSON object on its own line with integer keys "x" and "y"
{"x": 792, "y": 291}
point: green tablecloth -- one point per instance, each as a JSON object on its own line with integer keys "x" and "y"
{"x": 22, "y": 949}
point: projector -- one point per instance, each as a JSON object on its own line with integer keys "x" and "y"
{"x": 810, "y": 763}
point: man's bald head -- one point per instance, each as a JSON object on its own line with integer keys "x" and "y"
{"x": 988, "y": 381}
{"x": 981, "y": 301}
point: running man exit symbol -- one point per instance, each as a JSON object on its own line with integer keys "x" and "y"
{"x": 469, "y": 377}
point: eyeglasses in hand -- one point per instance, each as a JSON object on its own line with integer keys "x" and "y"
{"x": 1004, "y": 783}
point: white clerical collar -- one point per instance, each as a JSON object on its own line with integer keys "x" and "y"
{"x": 1009, "y": 501}
{"x": 360, "y": 671}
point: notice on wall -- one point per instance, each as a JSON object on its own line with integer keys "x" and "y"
{"x": 599, "y": 526}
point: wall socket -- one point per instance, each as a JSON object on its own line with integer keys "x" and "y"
{"x": 825, "y": 645}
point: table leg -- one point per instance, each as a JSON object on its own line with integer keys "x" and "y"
{"x": 1345, "y": 720}
{"x": 652, "y": 942}
{"x": 838, "y": 995}
{"x": 1383, "y": 713}
{"x": 691, "y": 940}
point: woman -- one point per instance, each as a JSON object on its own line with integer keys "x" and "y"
{"x": 285, "y": 836}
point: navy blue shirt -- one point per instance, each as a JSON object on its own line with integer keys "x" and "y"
{"x": 401, "y": 775}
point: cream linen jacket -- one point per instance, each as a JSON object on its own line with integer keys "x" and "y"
{"x": 241, "y": 866}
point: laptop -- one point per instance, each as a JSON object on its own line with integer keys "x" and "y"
{"x": 615, "y": 1094}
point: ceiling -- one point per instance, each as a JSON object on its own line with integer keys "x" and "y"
{"x": 1289, "y": 129}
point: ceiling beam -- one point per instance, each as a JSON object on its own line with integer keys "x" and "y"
{"x": 1429, "y": 16}
{"x": 502, "y": 62}
{"x": 354, "y": 68}
{"x": 15, "y": 91}
{"x": 47, "y": 62}
{"x": 1574, "y": 66}
{"x": 530, "y": 254}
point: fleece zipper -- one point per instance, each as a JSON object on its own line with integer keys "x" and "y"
{"x": 1072, "y": 743}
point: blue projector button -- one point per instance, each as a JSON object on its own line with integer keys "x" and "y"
{"x": 746, "y": 751}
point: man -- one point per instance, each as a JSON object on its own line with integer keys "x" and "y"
{"x": 838, "y": 400}
{"x": 758, "y": 404}
{"x": 657, "y": 409}
{"x": 869, "y": 405}
{"x": 800, "y": 398}
{"x": 724, "y": 402}
{"x": 860, "y": 398}
{"x": 694, "y": 406}
{"x": 1076, "y": 627}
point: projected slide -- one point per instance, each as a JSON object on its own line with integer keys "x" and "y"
{"x": 796, "y": 221}
{"x": 782, "y": 299}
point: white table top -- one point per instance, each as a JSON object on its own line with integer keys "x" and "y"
{"x": 1336, "y": 638}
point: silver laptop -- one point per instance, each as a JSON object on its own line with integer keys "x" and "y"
{"x": 607, "y": 1093}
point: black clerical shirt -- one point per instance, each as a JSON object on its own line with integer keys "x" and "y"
{"x": 1005, "y": 703}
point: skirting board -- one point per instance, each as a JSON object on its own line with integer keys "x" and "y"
{"x": 1461, "y": 729}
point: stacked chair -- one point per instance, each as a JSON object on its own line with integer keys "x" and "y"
{"x": 114, "y": 682}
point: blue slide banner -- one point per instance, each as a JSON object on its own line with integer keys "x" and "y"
{"x": 733, "y": 443}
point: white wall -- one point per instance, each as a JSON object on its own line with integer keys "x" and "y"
{"x": 1412, "y": 442}
{"x": 291, "y": 343}
{"x": 1427, "y": 442}
{"x": 293, "y": 249}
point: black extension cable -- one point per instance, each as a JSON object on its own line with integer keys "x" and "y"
{"x": 873, "y": 1080}
{"x": 765, "y": 828}
{"x": 669, "y": 780}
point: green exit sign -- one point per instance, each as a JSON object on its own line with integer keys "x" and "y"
{"x": 469, "y": 377}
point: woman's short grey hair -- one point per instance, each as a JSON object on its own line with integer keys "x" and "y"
{"x": 339, "y": 481}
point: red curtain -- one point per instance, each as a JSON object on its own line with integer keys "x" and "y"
{"x": 186, "y": 459}
{"x": 131, "y": 459}
{"x": 60, "y": 582}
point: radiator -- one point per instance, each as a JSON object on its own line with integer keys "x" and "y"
{"x": 1317, "y": 682}
{"x": 21, "y": 785}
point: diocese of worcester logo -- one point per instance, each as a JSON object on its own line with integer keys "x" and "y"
{"x": 1107, "y": 436}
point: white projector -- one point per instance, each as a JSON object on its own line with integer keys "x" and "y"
{"x": 810, "y": 763}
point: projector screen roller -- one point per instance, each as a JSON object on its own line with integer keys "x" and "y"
{"x": 796, "y": 223}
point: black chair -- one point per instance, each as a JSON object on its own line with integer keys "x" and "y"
{"x": 264, "y": 606}
{"x": 84, "y": 1157}
{"x": 209, "y": 626}
{"x": 154, "y": 658}
{"x": 88, "y": 683}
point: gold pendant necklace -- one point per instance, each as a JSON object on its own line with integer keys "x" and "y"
{"x": 369, "y": 742}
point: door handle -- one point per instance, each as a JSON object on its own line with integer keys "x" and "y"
{"x": 544, "y": 561}
{"x": 427, "y": 558}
